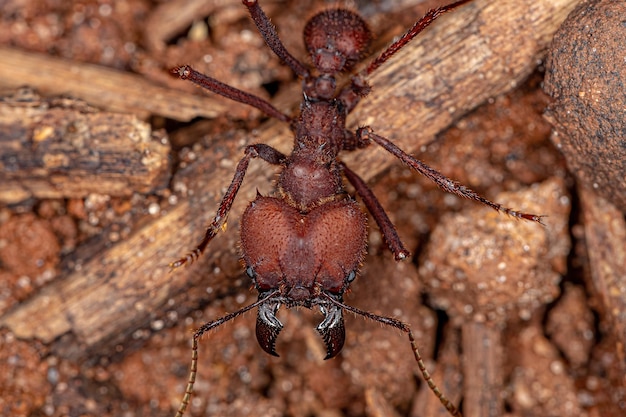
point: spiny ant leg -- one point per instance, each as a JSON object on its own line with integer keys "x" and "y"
{"x": 451, "y": 186}
{"x": 390, "y": 234}
{"x": 194, "y": 348}
{"x": 187, "y": 73}
{"x": 269, "y": 34}
{"x": 358, "y": 88}
{"x": 389, "y": 321}
{"x": 265, "y": 152}
{"x": 419, "y": 26}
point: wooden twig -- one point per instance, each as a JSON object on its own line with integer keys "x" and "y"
{"x": 102, "y": 87}
{"x": 63, "y": 148}
{"x": 482, "y": 369}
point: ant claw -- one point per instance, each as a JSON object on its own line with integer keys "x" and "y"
{"x": 187, "y": 260}
{"x": 183, "y": 72}
{"x": 402, "y": 255}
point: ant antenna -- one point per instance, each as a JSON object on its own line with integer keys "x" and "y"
{"x": 389, "y": 321}
{"x": 194, "y": 346}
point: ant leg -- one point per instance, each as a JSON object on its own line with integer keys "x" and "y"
{"x": 451, "y": 186}
{"x": 269, "y": 34}
{"x": 390, "y": 234}
{"x": 187, "y": 73}
{"x": 194, "y": 348}
{"x": 419, "y": 26}
{"x": 388, "y": 321}
{"x": 359, "y": 87}
{"x": 265, "y": 152}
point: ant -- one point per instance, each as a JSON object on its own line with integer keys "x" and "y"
{"x": 303, "y": 245}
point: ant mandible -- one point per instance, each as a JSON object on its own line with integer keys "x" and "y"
{"x": 303, "y": 245}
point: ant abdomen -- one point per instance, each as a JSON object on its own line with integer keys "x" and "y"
{"x": 336, "y": 40}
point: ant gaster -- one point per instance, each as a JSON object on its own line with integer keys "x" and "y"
{"x": 303, "y": 245}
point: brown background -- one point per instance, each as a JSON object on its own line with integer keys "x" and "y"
{"x": 119, "y": 166}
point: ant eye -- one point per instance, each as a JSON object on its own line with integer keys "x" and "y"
{"x": 250, "y": 272}
{"x": 351, "y": 276}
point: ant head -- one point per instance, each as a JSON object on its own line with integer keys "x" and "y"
{"x": 336, "y": 40}
{"x": 303, "y": 259}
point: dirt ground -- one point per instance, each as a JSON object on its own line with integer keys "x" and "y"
{"x": 506, "y": 313}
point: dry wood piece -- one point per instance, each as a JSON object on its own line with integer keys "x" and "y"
{"x": 122, "y": 288}
{"x": 171, "y": 18}
{"x": 102, "y": 87}
{"x": 66, "y": 149}
{"x": 482, "y": 370}
{"x": 486, "y": 50}
{"x": 109, "y": 297}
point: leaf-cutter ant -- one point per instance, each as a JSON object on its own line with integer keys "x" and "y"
{"x": 302, "y": 246}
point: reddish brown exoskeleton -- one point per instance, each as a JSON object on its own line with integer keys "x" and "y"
{"x": 303, "y": 245}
